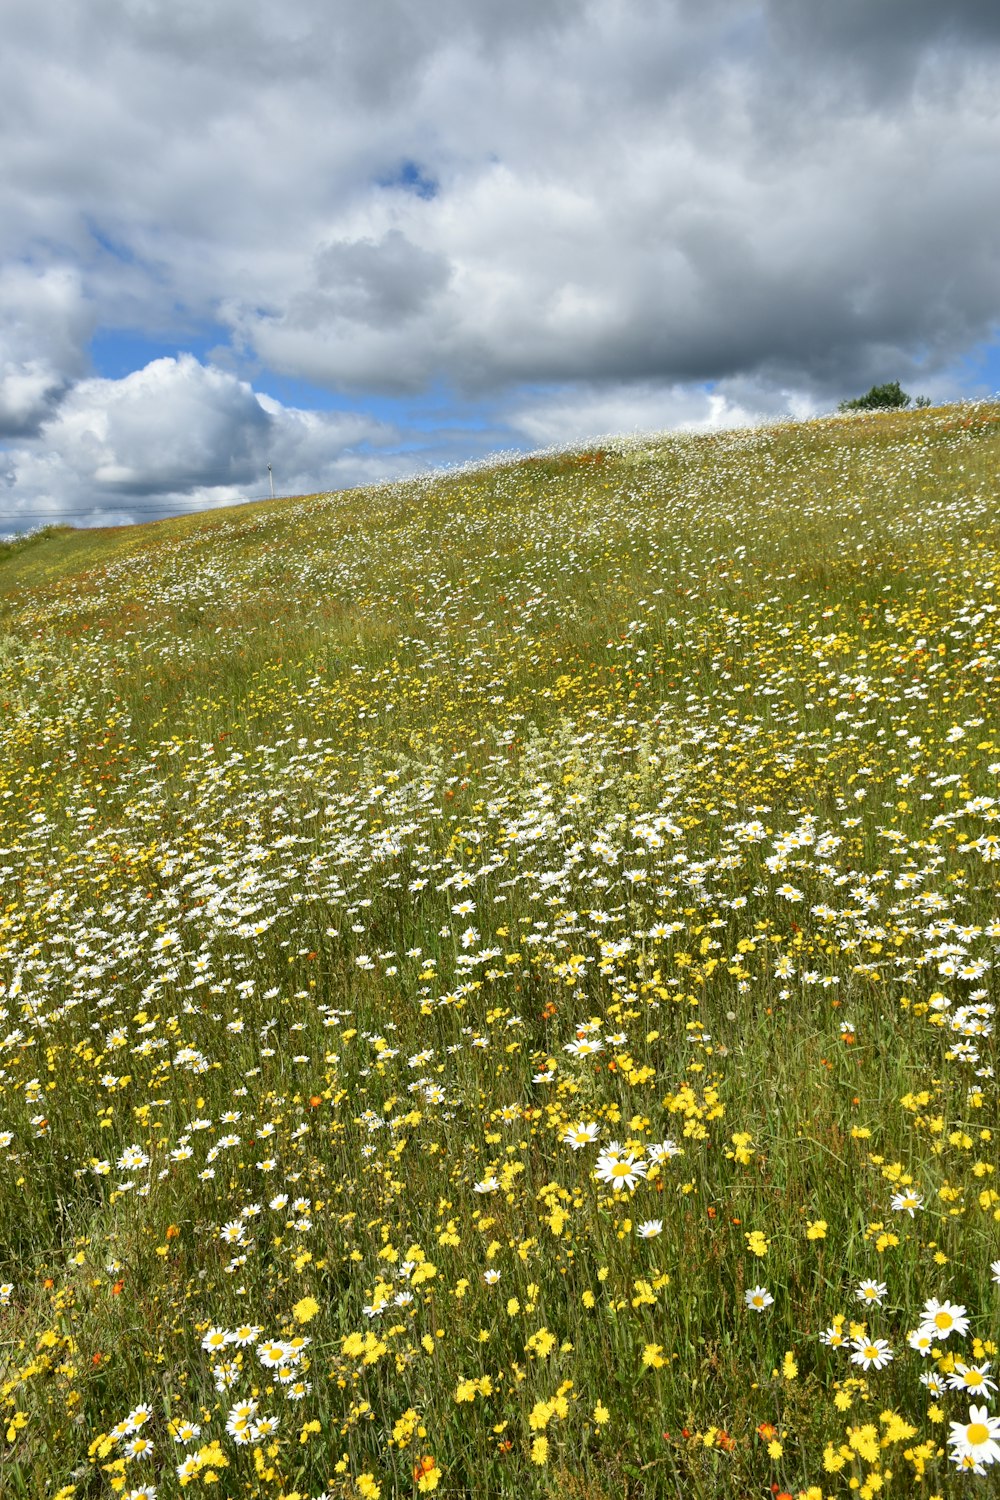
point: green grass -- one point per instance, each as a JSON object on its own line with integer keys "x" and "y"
{"x": 331, "y": 829}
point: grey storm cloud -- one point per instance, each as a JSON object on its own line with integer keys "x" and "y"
{"x": 44, "y": 327}
{"x": 783, "y": 198}
{"x": 377, "y": 283}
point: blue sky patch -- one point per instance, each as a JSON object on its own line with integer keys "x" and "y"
{"x": 412, "y": 178}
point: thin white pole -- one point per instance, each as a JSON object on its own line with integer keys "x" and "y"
{"x": 271, "y": 478}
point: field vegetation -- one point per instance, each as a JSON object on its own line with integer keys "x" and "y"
{"x": 497, "y": 981}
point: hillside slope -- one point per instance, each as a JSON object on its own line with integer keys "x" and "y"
{"x": 496, "y": 979}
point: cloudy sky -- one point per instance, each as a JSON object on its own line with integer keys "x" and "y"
{"x": 357, "y": 241}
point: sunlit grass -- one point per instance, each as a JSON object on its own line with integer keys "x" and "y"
{"x": 528, "y": 935}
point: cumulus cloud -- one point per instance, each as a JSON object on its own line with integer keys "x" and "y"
{"x": 777, "y": 199}
{"x": 649, "y": 205}
{"x": 180, "y": 435}
{"x": 575, "y": 415}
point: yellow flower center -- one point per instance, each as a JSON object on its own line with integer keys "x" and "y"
{"x": 976, "y": 1434}
{"x": 943, "y": 1319}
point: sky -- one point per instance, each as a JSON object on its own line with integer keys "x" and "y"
{"x": 358, "y": 242}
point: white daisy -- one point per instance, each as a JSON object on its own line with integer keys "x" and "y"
{"x": 974, "y": 1443}
{"x": 944, "y": 1318}
{"x": 871, "y": 1353}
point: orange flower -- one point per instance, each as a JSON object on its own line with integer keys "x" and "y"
{"x": 767, "y": 1431}
{"x": 116, "y": 1289}
{"x": 426, "y": 1473}
{"x": 172, "y": 1231}
{"x": 315, "y": 1101}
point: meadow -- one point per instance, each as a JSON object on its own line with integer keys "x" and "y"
{"x": 497, "y": 981}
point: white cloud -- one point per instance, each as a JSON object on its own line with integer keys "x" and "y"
{"x": 574, "y": 416}
{"x": 179, "y": 435}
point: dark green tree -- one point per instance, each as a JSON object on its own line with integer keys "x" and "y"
{"x": 888, "y": 397}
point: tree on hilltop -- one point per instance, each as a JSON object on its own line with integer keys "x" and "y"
{"x": 888, "y": 397}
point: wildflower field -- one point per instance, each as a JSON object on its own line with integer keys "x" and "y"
{"x": 497, "y": 981}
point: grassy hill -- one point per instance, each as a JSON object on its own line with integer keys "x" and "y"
{"x": 496, "y": 983}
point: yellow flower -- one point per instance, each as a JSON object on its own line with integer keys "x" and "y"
{"x": 305, "y": 1310}
{"x": 541, "y": 1414}
{"x": 896, "y": 1429}
{"x": 652, "y": 1356}
{"x": 404, "y": 1427}
{"x": 541, "y": 1343}
{"x": 864, "y": 1440}
{"x": 817, "y": 1230}
{"x": 18, "y": 1421}
{"x": 540, "y": 1450}
{"x": 601, "y": 1414}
